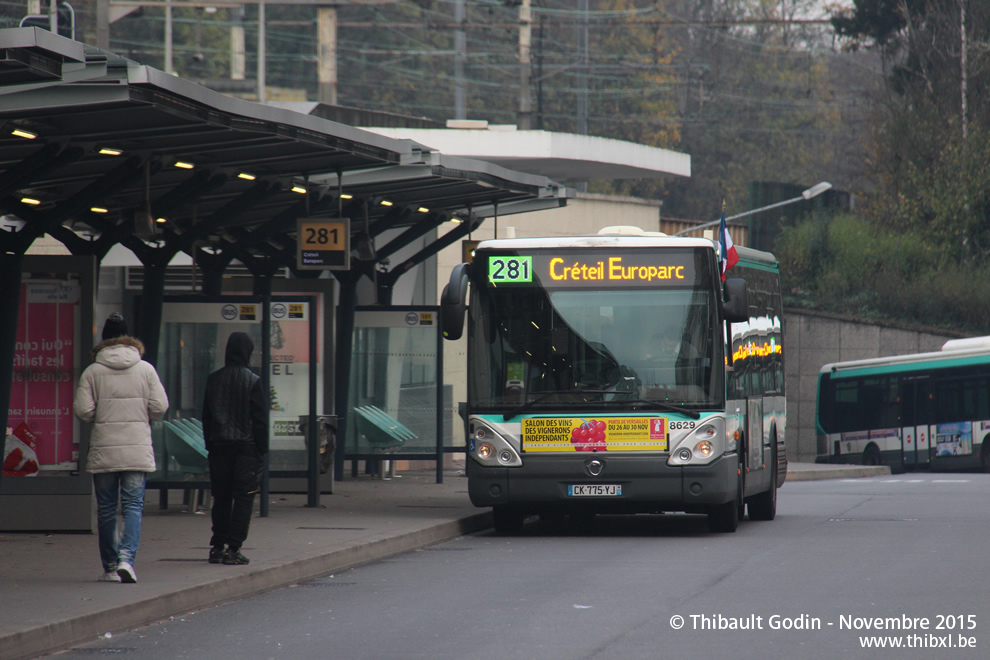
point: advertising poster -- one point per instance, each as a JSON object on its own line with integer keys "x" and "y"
{"x": 289, "y": 378}
{"x": 954, "y": 439}
{"x": 40, "y": 427}
{"x": 594, "y": 434}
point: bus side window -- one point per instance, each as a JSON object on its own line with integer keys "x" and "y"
{"x": 962, "y": 396}
{"x": 982, "y": 392}
{"x": 877, "y": 404}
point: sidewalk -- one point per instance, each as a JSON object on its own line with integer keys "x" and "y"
{"x": 50, "y": 599}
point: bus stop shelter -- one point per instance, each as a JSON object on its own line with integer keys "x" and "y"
{"x": 98, "y": 151}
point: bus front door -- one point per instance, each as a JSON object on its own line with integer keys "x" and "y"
{"x": 754, "y": 410}
{"x": 915, "y": 414}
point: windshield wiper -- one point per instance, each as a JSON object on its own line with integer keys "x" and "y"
{"x": 658, "y": 404}
{"x": 546, "y": 395}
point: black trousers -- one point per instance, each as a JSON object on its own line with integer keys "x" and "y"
{"x": 234, "y": 481}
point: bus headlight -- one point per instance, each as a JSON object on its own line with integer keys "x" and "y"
{"x": 701, "y": 445}
{"x": 490, "y": 449}
{"x": 707, "y": 431}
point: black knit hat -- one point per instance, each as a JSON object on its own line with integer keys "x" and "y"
{"x": 115, "y": 326}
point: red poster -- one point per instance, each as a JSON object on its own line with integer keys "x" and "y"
{"x": 45, "y": 363}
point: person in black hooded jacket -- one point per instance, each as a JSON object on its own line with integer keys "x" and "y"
{"x": 235, "y": 427}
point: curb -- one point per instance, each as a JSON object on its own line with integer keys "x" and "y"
{"x": 61, "y": 635}
{"x": 844, "y": 472}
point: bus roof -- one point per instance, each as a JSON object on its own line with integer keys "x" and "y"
{"x": 594, "y": 241}
{"x": 950, "y": 355}
{"x": 620, "y": 238}
{"x": 969, "y": 342}
{"x": 758, "y": 256}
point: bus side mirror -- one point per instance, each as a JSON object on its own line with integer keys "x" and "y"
{"x": 453, "y": 302}
{"x": 735, "y": 308}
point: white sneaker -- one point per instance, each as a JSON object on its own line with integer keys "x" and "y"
{"x": 109, "y": 576}
{"x": 126, "y": 573}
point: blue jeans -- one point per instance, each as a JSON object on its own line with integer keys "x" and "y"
{"x": 128, "y": 488}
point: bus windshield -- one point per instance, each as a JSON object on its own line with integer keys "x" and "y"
{"x": 637, "y": 348}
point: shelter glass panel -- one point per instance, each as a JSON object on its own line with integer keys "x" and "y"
{"x": 394, "y": 395}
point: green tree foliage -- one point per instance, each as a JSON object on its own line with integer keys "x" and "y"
{"x": 946, "y": 196}
{"x": 921, "y": 41}
{"x": 879, "y": 21}
{"x": 921, "y": 238}
{"x": 843, "y": 264}
{"x": 640, "y": 101}
{"x": 757, "y": 102}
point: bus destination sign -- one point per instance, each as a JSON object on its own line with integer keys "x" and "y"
{"x": 571, "y": 269}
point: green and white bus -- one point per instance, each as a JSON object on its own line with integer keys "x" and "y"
{"x": 925, "y": 410}
{"x": 600, "y": 379}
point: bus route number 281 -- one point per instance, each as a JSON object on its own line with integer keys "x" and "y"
{"x": 504, "y": 270}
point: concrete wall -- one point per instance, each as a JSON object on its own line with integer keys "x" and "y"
{"x": 812, "y": 340}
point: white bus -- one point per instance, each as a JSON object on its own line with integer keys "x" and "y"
{"x": 925, "y": 410}
{"x": 599, "y": 379}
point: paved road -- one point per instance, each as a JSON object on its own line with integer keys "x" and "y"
{"x": 842, "y": 558}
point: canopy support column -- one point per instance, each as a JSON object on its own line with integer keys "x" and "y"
{"x": 11, "y": 266}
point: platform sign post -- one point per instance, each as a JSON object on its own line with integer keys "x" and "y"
{"x": 323, "y": 244}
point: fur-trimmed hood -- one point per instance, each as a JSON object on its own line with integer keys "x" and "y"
{"x": 120, "y": 341}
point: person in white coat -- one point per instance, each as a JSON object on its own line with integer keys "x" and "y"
{"x": 119, "y": 394}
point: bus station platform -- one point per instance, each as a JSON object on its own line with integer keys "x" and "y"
{"x": 50, "y": 598}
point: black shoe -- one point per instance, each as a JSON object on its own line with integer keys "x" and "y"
{"x": 216, "y": 555}
{"x": 235, "y": 558}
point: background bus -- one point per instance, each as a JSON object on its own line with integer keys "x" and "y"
{"x": 598, "y": 378}
{"x": 925, "y": 410}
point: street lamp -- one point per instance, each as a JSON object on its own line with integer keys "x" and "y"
{"x": 813, "y": 191}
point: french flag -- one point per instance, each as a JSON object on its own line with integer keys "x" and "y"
{"x": 729, "y": 255}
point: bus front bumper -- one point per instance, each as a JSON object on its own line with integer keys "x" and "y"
{"x": 648, "y": 484}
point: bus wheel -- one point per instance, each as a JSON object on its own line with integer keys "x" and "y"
{"x": 985, "y": 458}
{"x": 724, "y": 517}
{"x": 507, "y": 520}
{"x": 871, "y": 456}
{"x": 763, "y": 506}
